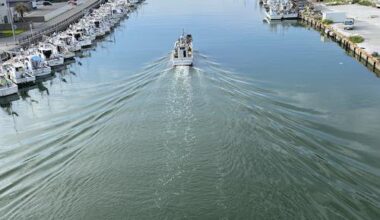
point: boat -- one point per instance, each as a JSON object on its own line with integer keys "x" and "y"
{"x": 65, "y": 52}
{"x": 7, "y": 87}
{"x": 273, "y": 12}
{"x": 37, "y": 65}
{"x": 83, "y": 40}
{"x": 182, "y": 54}
{"x": 50, "y": 54}
{"x": 15, "y": 71}
{"x": 288, "y": 10}
{"x": 279, "y": 10}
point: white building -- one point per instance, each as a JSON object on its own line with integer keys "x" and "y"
{"x": 4, "y": 17}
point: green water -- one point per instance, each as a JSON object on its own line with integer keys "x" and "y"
{"x": 270, "y": 123}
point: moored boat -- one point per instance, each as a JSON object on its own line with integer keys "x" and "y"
{"x": 7, "y": 87}
{"x": 15, "y": 71}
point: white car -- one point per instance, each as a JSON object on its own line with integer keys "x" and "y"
{"x": 349, "y": 24}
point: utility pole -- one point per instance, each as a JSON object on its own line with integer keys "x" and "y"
{"x": 31, "y": 27}
{"x": 11, "y": 18}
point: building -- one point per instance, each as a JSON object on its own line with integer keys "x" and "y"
{"x": 4, "y": 11}
{"x": 4, "y": 17}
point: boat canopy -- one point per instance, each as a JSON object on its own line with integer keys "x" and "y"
{"x": 36, "y": 58}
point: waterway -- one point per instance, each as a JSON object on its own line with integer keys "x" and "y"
{"x": 272, "y": 122}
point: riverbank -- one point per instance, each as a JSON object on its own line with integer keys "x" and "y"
{"x": 366, "y": 26}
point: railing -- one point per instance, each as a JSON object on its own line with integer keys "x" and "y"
{"x": 37, "y": 36}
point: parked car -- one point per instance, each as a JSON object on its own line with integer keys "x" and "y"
{"x": 72, "y": 2}
{"x": 349, "y": 24}
{"x": 44, "y": 3}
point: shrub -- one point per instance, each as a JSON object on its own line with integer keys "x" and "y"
{"x": 375, "y": 54}
{"x": 356, "y": 39}
{"x": 9, "y": 33}
{"x": 327, "y": 21}
{"x": 365, "y": 2}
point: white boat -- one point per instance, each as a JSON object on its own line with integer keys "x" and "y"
{"x": 288, "y": 10}
{"x": 83, "y": 41}
{"x": 290, "y": 15}
{"x": 69, "y": 42}
{"x": 50, "y": 54}
{"x": 84, "y": 28}
{"x": 36, "y": 64}
{"x": 273, "y": 13}
{"x": 65, "y": 52}
{"x": 7, "y": 87}
{"x": 15, "y": 71}
{"x": 98, "y": 27}
{"x": 281, "y": 9}
{"x": 182, "y": 54}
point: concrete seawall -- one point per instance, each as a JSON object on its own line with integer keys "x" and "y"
{"x": 371, "y": 62}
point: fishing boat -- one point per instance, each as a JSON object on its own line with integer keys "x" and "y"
{"x": 37, "y": 65}
{"x": 273, "y": 12}
{"x": 7, "y": 87}
{"x": 50, "y": 54}
{"x": 67, "y": 41}
{"x": 83, "y": 40}
{"x": 182, "y": 54}
{"x": 281, "y": 10}
{"x": 15, "y": 71}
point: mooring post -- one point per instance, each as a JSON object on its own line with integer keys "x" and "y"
{"x": 374, "y": 66}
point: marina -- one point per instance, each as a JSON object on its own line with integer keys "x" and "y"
{"x": 190, "y": 110}
{"x": 25, "y": 66}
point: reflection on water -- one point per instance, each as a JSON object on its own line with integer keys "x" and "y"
{"x": 258, "y": 128}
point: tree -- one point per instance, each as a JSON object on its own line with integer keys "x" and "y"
{"x": 21, "y": 8}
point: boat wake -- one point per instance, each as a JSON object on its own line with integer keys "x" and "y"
{"x": 39, "y": 152}
{"x": 227, "y": 126}
{"x": 178, "y": 132}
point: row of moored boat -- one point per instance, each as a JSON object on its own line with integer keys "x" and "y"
{"x": 38, "y": 61}
{"x": 280, "y": 9}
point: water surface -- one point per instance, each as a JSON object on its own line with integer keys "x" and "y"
{"x": 272, "y": 122}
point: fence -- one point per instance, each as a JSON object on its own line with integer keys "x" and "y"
{"x": 37, "y": 36}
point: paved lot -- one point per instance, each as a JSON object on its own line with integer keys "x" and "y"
{"x": 367, "y": 24}
{"x": 43, "y": 10}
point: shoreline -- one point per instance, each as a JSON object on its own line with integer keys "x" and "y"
{"x": 363, "y": 55}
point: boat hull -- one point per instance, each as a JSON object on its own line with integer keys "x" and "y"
{"x": 182, "y": 62}
{"x": 42, "y": 72}
{"x": 290, "y": 16}
{"x": 274, "y": 16}
{"x": 56, "y": 62}
{"x": 24, "y": 80}
{"x": 6, "y": 91}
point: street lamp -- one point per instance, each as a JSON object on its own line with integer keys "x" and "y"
{"x": 10, "y": 14}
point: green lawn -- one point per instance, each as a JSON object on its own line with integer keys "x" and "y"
{"x": 8, "y": 33}
{"x": 344, "y": 2}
